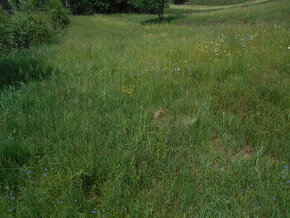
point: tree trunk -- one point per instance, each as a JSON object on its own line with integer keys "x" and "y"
{"x": 161, "y": 11}
{"x": 160, "y": 14}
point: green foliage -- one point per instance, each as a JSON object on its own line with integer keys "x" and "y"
{"x": 118, "y": 6}
{"x": 31, "y": 24}
{"x": 101, "y": 6}
{"x": 179, "y": 2}
{"x": 21, "y": 30}
{"x": 58, "y": 13}
{"x": 152, "y": 6}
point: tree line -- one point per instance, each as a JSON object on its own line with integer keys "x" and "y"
{"x": 84, "y": 7}
{"x": 80, "y": 7}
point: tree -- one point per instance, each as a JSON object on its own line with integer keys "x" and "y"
{"x": 179, "y": 2}
{"x": 152, "y": 6}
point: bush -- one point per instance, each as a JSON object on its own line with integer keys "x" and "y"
{"x": 21, "y": 30}
{"x": 3, "y": 21}
{"x": 31, "y": 24}
{"x": 59, "y": 15}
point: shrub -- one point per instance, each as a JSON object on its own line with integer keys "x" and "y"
{"x": 31, "y": 24}
{"x": 3, "y": 21}
{"x": 59, "y": 15}
{"x": 21, "y": 30}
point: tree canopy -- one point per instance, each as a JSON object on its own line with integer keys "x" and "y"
{"x": 118, "y": 6}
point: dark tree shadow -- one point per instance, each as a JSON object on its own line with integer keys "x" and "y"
{"x": 168, "y": 19}
{"x": 22, "y": 67}
{"x": 13, "y": 155}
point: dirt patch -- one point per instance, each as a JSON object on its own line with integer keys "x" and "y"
{"x": 159, "y": 114}
{"x": 245, "y": 153}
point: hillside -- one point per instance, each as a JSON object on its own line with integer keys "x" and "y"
{"x": 217, "y": 2}
{"x": 132, "y": 118}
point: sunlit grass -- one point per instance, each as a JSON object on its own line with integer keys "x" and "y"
{"x": 190, "y": 5}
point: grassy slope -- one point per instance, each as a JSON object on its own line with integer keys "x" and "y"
{"x": 85, "y": 141}
{"x": 209, "y": 7}
{"x": 217, "y": 2}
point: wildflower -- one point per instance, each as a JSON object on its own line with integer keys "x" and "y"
{"x": 10, "y": 193}
{"x": 190, "y": 146}
{"x": 29, "y": 172}
{"x": 283, "y": 172}
{"x": 12, "y": 198}
{"x": 190, "y": 207}
{"x": 123, "y": 207}
{"x": 259, "y": 207}
{"x": 11, "y": 209}
{"x": 94, "y": 212}
{"x": 283, "y": 176}
{"x": 128, "y": 89}
{"x": 274, "y": 198}
{"x": 45, "y": 174}
{"x": 75, "y": 201}
{"x": 45, "y": 169}
{"x": 252, "y": 185}
{"x": 285, "y": 167}
{"x": 244, "y": 212}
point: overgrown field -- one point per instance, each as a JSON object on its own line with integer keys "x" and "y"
{"x": 132, "y": 118}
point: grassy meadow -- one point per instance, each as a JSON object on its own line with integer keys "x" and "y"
{"x": 187, "y": 118}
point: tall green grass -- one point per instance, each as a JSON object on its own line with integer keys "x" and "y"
{"x": 181, "y": 119}
{"x": 23, "y": 66}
